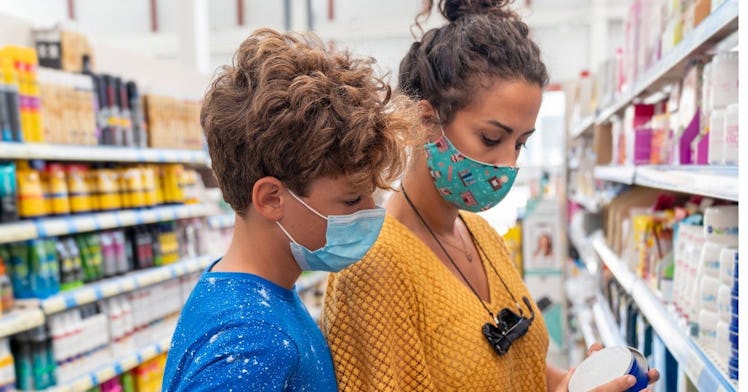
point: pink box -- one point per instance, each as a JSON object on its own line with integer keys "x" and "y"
{"x": 642, "y": 146}
{"x": 702, "y": 149}
{"x": 684, "y": 154}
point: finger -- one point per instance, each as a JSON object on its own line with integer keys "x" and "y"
{"x": 619, "y": 384}
{"x": 653, "y": 375}
{"x": 594, "y": 347}
{"x": 563, "y": 386}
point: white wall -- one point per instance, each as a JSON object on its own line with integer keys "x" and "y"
{"x": 373, "y": 28}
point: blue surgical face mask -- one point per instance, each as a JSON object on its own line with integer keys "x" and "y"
{"x": 348, "y": 238}
{"x": 466, "y": 183}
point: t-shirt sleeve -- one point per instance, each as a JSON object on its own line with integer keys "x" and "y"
{"x": 369, "y": 322}
{"x": 254, "y": 357}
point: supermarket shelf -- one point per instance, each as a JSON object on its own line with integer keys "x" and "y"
{"x": 19, "y": 320}
{"x": 606, "y": 323}
{"x": 705, "y": 374}
{"x": 310, "y": 280}
{"x": 221, "y": 221}
{"x": 710, "y": 31}
{"x": 109, "y": 371}
{"x": 81, "y": 223}
{"x": 714, "y": 181}
{"x": 120, "y": 285}
{"x": 622, "y": 174}
{"x": 720, "y": 182}
{"x": 62, "y": 152}
{"x": 582, "y": 127}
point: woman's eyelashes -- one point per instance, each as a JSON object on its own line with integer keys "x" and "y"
{"x": 489, "y": 142}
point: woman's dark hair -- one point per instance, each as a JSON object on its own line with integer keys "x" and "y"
{"x": 483, "y": 40}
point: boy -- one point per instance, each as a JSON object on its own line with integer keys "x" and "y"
{"x": 299, "y": 138}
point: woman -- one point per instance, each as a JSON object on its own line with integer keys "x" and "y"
{"x": 436, "y": 304}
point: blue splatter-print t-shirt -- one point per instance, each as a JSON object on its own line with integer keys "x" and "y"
{"x": 240, "y": 332}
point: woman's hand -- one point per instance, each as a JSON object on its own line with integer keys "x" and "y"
{"x": 620, "y": 384}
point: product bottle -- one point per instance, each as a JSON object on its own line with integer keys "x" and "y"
{"x": 109, "y": 254}
{"x": 124, "y": 261}
{"x": 67, "y": 267}
{"x": 20, "y": 269}
{"x": 12, "y": 96}
{"x": 7, "y": 367}
{"x": 6, "y": 133}
{"x": 6, "y": 288}
{"x": 77, "y": 263}
{"x": 138, "y": 122}
{"x": 39, "y": 271}
{"x": 30, "y": 191}
{"x": 8, "y": 192}
{"x": 23, "y": 362}
{"x": 38, "y": 337}
{"x": 53, "y": 263}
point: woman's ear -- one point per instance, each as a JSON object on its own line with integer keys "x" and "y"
{"x": 268, "y": 198}
{"x": 426, "y": 113}
{"x": 429, "y": 118}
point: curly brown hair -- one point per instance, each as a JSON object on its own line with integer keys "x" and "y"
{"x": 290, "y": 108}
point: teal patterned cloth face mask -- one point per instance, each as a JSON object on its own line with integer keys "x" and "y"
{"x": 466, "y": 183}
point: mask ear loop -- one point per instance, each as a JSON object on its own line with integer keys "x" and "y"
{"x": 286, "y": 233}
{"x": 306, "y": 205}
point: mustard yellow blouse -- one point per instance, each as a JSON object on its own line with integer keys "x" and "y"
{"x": 399, "y": 320}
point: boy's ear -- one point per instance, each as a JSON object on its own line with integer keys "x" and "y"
{"x": 268, "y": 196}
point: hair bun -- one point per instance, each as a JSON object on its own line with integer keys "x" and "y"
{"x": 453, "y": 10}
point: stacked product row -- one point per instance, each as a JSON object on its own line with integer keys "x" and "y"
{"x": 697, "y": 124}
{"x": 705, "y": 281}
{"x": 32, "y": 189}
{"x": 685, "y": 249}
{"x": 652, "y": 29}
{"x": 41, "y": 268}
{"x": 61, "y": 107}
{"x": 80, "y": 341}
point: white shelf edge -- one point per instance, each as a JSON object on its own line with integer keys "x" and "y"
{"x": 696, "y": 365}
{"x": 714, "y": 24}
{"x": 585, "y": 325}
{"x": 721, "y": 182}
{"x": 697, "y": 180}
{"x": 19, "y": 320}
{"x": 621, "y": 174}
{"x": 622, "y": 273}
{"x": 79, "y": 153}
{"x": 583, "y": 126}
{"x": 118, "y": 367}
{"x": 606, "y": 323}
{"x": 81, "y": 223}
{"x": 120, "y": 285}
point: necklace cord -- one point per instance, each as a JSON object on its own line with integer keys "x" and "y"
{"x": 423, "y": 221}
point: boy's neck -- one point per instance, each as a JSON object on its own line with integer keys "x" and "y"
{"x": 258, "y": 251}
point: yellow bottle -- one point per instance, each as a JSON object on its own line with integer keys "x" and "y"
{"x": 108, "y": 190}
{"x": 56, "y": 188}
{"x": 31, "y": 202}
{"x": 78, "y": 188}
